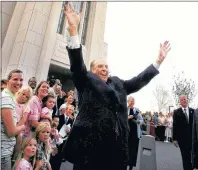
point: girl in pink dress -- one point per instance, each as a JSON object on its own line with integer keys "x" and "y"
{"x": 22, "y": 97}
{"x": 48, "y": 105}
{"x": 27, "y": 155}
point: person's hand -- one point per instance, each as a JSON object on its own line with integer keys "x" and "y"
{"x": 175, "y": 143}
{"x": 137, "y": 121}
{"x": 164, "y": 49}
{"x": 130, "y": 117}
{"x": 63, "y": 93}
{"x": 22, "y": 127}
{"x": 48, "y": 166}
{"x": 39, "y": 164}
{"x": 73, "y": 19}
{"x": 25, "y": 116}
{"x": 68, "y": 130}
{"x": 47, "y": 117}
{"x": 54, "y": 151}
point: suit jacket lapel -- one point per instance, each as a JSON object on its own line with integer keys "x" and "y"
{"x": 190, "y": 115}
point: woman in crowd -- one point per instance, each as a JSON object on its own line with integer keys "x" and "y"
{"x": 9, "y": 128}
{"x": 161, "y": 127}
{"x": 169, "y": 125}
{"x": 36, "y": 104}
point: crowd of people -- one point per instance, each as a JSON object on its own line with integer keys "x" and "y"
{"x": 41, "y": 126}
{"x": 35, "y": 122}
{"x": 159, "y": 125}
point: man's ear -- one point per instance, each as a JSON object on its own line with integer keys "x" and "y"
{"x": 93, "y": 69}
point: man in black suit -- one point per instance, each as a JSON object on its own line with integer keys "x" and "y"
{"x": 67, "y": 119}
{"x": 182, "y": 131}
{"x": 99, "y": 137}
{"x": 195, "y": 140}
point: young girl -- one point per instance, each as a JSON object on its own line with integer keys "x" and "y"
{"x": 23, "y": 97}
{"x": 48, "y": 105}
{"x": 42, "y": 134}
{"x": 27, "y": 155}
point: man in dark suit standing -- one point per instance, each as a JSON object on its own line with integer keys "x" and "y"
{"x": 195, "y": 141}
{"x": 64, "y": 119}
{"x": 182, "y": 131}
{"x": 99, "y": 137}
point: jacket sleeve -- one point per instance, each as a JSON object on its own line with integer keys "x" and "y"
{"x": 140, "y": 118}
{"x": 174, "y": 125}
{"x": 77, "y": 67}
{"x": 195, "y": 143}
{"x": 136, "y": 83}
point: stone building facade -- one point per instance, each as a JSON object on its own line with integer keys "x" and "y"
{"x": 34, "y": 38}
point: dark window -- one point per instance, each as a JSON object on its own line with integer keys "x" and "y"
{"x": 85, "y": 23}
{"x": 61, "y": 20}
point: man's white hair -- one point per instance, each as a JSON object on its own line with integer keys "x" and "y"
{"x": 130, "y": 98}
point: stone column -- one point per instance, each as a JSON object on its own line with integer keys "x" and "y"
{"x": 95, "y": 31}
{"x": 49, "y": 43}
{"x": 6, "y": 13}
{"x": 11, "y": 34}
{"x": 29, "y": 40}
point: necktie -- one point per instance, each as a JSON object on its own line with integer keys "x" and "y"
{"x": 186, "y": 114}
{"x": 66, "y": 119}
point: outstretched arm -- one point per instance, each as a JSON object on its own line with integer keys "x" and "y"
{"x": 77, "y": 65}
{"x": 136, "y": 83}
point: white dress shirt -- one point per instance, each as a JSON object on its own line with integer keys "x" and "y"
{"x": 187, "y": 111}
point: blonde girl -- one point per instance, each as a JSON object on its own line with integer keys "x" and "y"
{"x": 42, "y": 135}
{"x": 22, "y": 97}
{"x": 27, "y": 155}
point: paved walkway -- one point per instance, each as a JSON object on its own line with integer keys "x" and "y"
{"x": 168, "y": 158}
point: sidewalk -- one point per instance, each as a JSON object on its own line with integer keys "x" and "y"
{"x": 168, "y": 158}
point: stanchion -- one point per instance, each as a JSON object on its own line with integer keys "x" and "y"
{"x": 148, "y": 153}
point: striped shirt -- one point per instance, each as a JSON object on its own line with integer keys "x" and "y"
{"x": 7, "y": 143}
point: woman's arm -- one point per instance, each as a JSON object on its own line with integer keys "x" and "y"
{"x": 8, "y": 121}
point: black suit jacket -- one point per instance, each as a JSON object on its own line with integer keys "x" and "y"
{"x": 62, "y": 121}
{"x": 182, "y": 130}
{"x": 101, "y": 105}
{"x": 195, "y": 140}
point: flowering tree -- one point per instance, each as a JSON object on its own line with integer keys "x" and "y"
{"x": 183, "y": 86}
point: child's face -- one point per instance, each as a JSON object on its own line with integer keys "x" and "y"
{"x": 30, "y": 150}
{"x": 50, "y": 103}
{"x": 23, "y": 97}
{"x": 45, "y": 134}
{"x": 53, "y": 131}
{"x": 56, "y": 120}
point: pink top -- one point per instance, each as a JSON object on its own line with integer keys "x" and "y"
{"x": 20, "y": 109}
{"x": 24, "y": 165}
{"x": 35, "y": 108}
{"x": 46, "y": 111}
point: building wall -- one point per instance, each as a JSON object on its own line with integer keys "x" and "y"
{"x": 32, "y": 42}
{"x": 6, "y": 15}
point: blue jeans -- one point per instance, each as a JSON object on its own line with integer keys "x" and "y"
{"x": 6, "y": 163}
